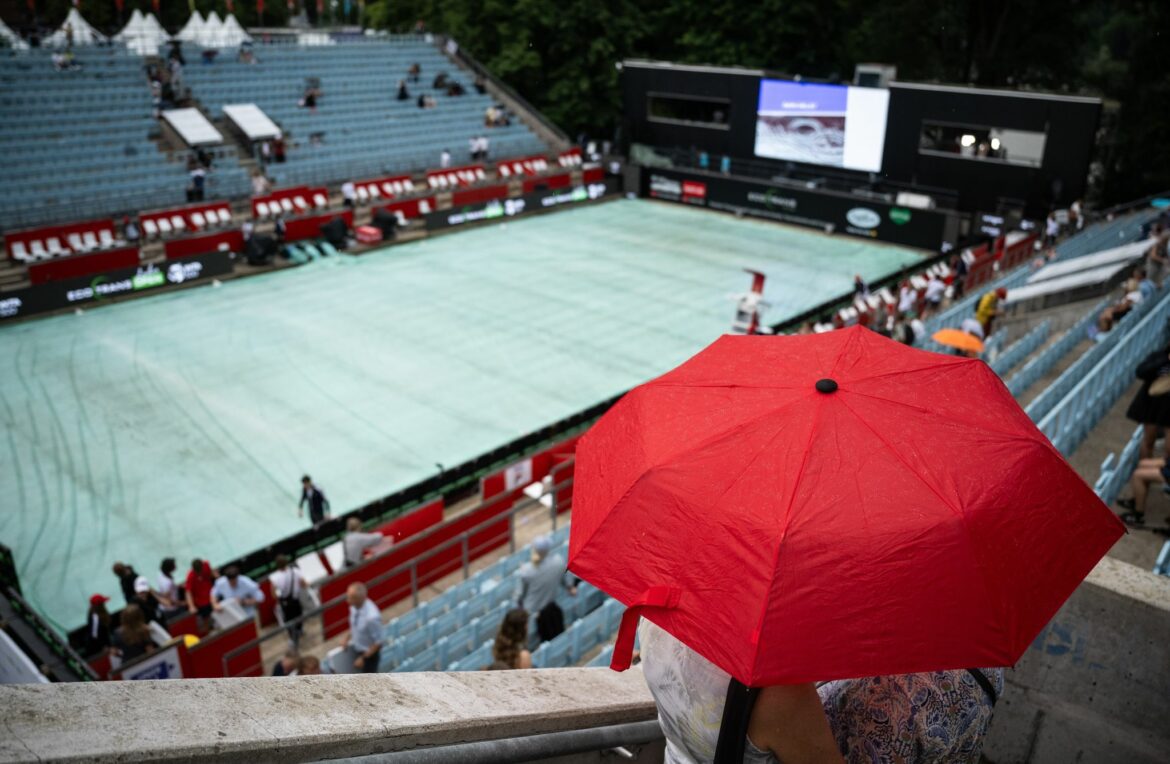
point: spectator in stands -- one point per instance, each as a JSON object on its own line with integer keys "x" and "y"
{"x": 539, "y": 583}
{"x": 203, "y": 158}
{"x": 168, "y": 591}
{"x": 278, "y": 229}
{"x": 318, "y": 504}
{"x": 247, "y": 228}
{"x": 907, "y": 298}
{"x": 484, "y": 147}
{"x": 940, "y": 716}
{"x": 455, "y": 88}
{"x": 936, "y": 288}
{"x": 1157, "y": 255}
{"x": 440, "y": 81}
{"x": 959, "y": 267}
{"x": 348, "y": 194}
{"x": 988, "y": 309}
{"x": 287, "y": 665}
{"x": 511, "y": 647}
{"x": 420, "y": 27}
{"x": 1111, "y": 315}
{"x": 287, "y": 586}
{"x": 278, "y": 148}
{"x": 309, "y": 99}
{"x": 356, "y": 541}
{"x": 130, "y": 230}
{"x": 233, "y": 585}
{"x": 473, "y": 148}
{"x": 260, "y": 183}
{"x": 414, "y": 72}
{"x": 480, "y": 84}
{"x": 1151, "y": 410}
{"x": 364, "y": 640}
{"x": 403, "y": 93}
{"x": 132, "y": 638}
{"x": 445, "y": 159}
{"x": 246, "y": 54}
{"x": 490, "y": 115}
{"x": 1144, "y": 284}
{"x": 126, "y": 577}
{"x": 787, "y": 721}
{"x": 860, "y": 288}
{"x": 200, "y": 579}
{"x": 97, "y": 626}
{"x": 901, "y": 332}
{"x": 1147, "y": 473}
{"x": 195, "y": 190}
{"x": 308, "y": 665}
{"x": 972, "y": 327}
{"x": 1051, "y": 229}
{"x": 265, "y": 153}
{"x": 144, "y": 598}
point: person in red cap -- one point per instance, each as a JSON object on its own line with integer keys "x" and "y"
{"x": 97, "y": 626}
{"x": 988, "y": 309}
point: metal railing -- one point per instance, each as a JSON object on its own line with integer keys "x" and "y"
{"x": 1022, "y": 348}
{"x": 1070, "y": 420}
{"x": 467, "y": 555}
{"x": 1115, "y": 470}
{"x": 1040, "y": 365}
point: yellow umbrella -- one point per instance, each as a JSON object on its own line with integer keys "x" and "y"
{"x": 958, "y": 339}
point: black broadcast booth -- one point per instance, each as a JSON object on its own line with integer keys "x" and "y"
{"x": 909, "y": 163}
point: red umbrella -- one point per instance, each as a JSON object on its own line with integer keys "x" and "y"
{"x": 832, "y": 506}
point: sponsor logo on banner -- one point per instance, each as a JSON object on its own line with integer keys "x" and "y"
{"x": 518, "y": 475}
{"x": 772, "y": 200}
{"x": 694, "y": 192}
{"x": 665, "y": 188}
{"x": 10, "y": 307}
{"x": 177, "y": 273}
{"x": 899, "y": 215}
{"x": 164, "y": 664}
{"x": 863, "y": 217}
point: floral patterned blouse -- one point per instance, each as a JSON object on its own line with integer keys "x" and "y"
{"x": 940, "y": 716}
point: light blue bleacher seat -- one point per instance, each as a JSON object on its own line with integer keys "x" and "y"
{"x": 584, "y": 634}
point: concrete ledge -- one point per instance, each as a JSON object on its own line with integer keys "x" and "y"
{"x": 307, "y": 718}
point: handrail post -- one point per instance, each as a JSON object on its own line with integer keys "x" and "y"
{"x": 414, "y": 583}
{"x": 512, "y": 532}
{"x": 466, "y": 557}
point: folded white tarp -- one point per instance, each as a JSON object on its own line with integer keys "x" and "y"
{"x": 251, "y": 121}
{"x": 193, "y": 127}
{"x": 82, "y": 32}
{"x": 192, "y": 29}
{"x": 1114, "y": 255}
{"x": 13, "y": 38}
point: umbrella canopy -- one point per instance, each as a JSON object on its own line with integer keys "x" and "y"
{"x": 83, "y": 33}
{"x": 831, "y": 506}
{"x": 958, "y": 339}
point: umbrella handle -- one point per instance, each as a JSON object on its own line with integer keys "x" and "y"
{"x": 654, "y": 597}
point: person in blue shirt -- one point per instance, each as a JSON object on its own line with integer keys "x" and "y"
{"x": 232, "y": 585}
{"x": 1145, "y": 286}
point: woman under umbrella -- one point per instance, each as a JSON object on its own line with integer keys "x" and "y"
{"x": 1151, "y": 410}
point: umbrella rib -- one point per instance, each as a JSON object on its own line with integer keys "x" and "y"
{"x": 951, "y": 416}
{"x": 812, "y": 431}
{"x": 983, "y": 572}
{"x": 941, "y": 362}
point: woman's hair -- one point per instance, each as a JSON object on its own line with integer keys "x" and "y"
{"x": 167, "y": 566}
{"x": 134, "y": 628}
{"x": 512, "y": 637}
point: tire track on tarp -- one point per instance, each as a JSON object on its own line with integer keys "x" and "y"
{"x": 45, "y": 510}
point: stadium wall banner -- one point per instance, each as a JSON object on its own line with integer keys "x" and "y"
{"x": 507, "y": 208}
{"x": 84, "y": 291}
{"x": 840, "y": 213}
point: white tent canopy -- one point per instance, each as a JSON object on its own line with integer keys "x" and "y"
{"x": 13, "y": 38}
{"x": 142, "y": 34}
{"x": 83, "y": 33}
{"x": 233, "y": 33}
{"x": 192, "y": 30}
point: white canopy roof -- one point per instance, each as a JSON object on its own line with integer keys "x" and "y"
{"x": 132, "y": 26}
{"x": 212, "y": 31}
{"x": 12, "y": 37}
{"x": 192, "y": 29}
{"x": 233, "y": 33}
{"x": 142, "y": 34}
{"x": 83, "y": 33}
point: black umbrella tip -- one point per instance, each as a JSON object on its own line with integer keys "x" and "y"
{"x": 826, "y": 385}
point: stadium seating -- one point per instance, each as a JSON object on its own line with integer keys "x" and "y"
{"x": 1021, "y": 348}
{"x": 584, "y": 634}
{"x": 359, "y": 128}
{"x": 79, "y": 142}
{"x": 1046, "y": 359}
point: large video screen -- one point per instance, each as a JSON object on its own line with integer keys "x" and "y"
{"x": 832, "y": 125}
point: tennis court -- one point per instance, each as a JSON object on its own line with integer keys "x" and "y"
{"x": 179, "y": 425}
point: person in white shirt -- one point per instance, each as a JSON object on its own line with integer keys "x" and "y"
{"x": 907, "y": 298}
{"x": 348, "y": 194}
{"x": 1051, "y": 229}
{"x": 445, "y": 159}
{"x": 234, "y": 586}
{"x": 935, "y": 289}
{"x": 364, "y": 640}
{"x": 356, "y": 542}
{"x": 168, "y": 591}
{"x": 287, "y": 585}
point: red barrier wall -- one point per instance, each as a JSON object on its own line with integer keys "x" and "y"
{"x": 205, "y": 660}
{"x": 397, "y": 587}
{"x": 477, "y": 195}
{"x": 76, "y": 266}
{"x": 408, "y": 208}
{"x": 593, "y": 175}
{"x": 201, "y": 245}
{"x": 60, "y": 231}
{"x": 414, "y": 521}
{"x": 550, "y": 182}
{"x": 298, "y": 229}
